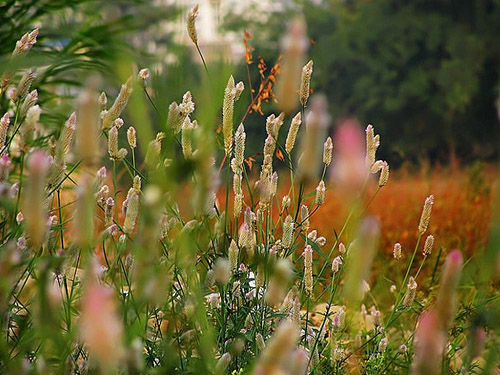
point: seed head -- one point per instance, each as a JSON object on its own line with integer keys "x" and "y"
{"x": 305, "y": 82}
{"x": 287, "y": 237}
{"x": 410, "y": 292}
{"x": 426, "y": 215}
{"x": 233, "y": 253}
{"x": 103, "y": 101}
{"x": 191, "y": 24}
{"x": 239, "y": 148}
{"x": 304, "y": 217}
{"x": 4, "y": 127}
{"x": 222, "y": 271}
{"x": 29, "y": 102}
{"x": 337, "y": 262}
{"x": 397, "y": 251}
{"x": 25, "y": 84}
{"x": 327, "y": 151}
{"x": 132, "y": 137}
{"x": 372, "y": 143}
{"x": 113, "y": 151}
{"x": 292, "y": 132}
{"x": 144, "y": 74}
{"x": 132, "y": 206}
{"x": 429, "y": 243}
{"x": 342, "y": 249}
{"x": 384, "y": 174}
{"x": 320, "y": 193}
{"x": 119, "y": 104}
{"x": 308, "y": 273}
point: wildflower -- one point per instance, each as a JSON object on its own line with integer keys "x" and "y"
{"x": 239, "y": 148}
{"x": 108, "y": 211}
{"x": 294, "y": 45}
{"x": 84, "y": 216}
{"x": 144, "y": 74}
{"x": 238, "y": 204}
{"x": 29, "y": 102}
{"x": 428, "y": 344}
{"x": 102, "y": 194}
{"x": 100, "y": 325}
{"x": 446, "y": 300}
{"x": 175, "y": 118}
{"x": 103, "y": 101}
{"x": 372, "y": 143}
{"x": 274, "y": 183}
{"x": 113, "y": 151}
{"x": 382, "y": 345}
{"x": 277, "y": 124}
{"x": 191, "y": 24}
{"x": 35, "y": 210}
{"x": 305, "y": 82}
{"x": 222, "y": 271}
{"x": 112, "y": 230}
{"x": 312, "y": 235}
{"x": 4, "y": 127}
{"x": 342, "y": 249}
{"x": 233, "y": 253}
{"x": 101, "y": 175}
{"x": 337, "y": 262}
{"x": 132, "y": 206}
{"x": 320, "y": 193}
{"x": 410, "y": 292}
{"x": 29, "y": 127}
{"x": 154, "y": 150}
{"x": 119, "y": 104}
{"x": 187, "y": 137}
{"x": 66, "y": 137}
{"x": 316, "y": 123}
{"x": 384, "y": 174}
{"x": 350, "y": 169}
{"x": 397, "y": 251}
{"x": 308, "y": 272}
{"x": 231, "y": 94}
{"x": 429, "y": 243}
{"x": 321, "y": 241}
{"x": 292, "y": 132}
{"x": 278, "y": 348}
{"x": 132, "y": 137}
{"x": 327, "y": 151}
{"x": 426, "y": 215}
{"x": 118, "y": 123}
{"x": 25, "y": 84}
{"x": 287, "y": 237}
{"x": 23, "y": 45}
{"x": 304, "y": 217}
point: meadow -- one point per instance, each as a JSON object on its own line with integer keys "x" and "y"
{"x": 127, "y": 249}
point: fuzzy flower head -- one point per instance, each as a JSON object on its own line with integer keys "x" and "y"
{"x": 191, "y": 24}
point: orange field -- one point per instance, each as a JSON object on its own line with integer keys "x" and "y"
{"x": 460, "y": 217}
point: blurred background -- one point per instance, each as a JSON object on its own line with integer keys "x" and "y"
{"x": 425, "y": 73}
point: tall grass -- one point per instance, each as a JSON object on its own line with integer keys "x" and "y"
{"x": 129, "y": 252}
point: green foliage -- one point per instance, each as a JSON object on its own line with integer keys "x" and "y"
{"x": 412, "y": 68}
